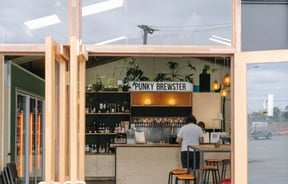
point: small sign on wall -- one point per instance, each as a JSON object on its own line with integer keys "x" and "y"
{"x": 161, "y": 86}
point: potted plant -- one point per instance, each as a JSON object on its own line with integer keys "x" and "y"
{"x": 175, "y": 73}
{"x": 98, "y": 85}
{"x": 133, "y": 73}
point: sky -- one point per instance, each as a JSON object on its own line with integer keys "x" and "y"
{"x": 264, "y": 79}
{"x": 186, "y": 22}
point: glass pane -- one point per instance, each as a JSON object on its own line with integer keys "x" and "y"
{"x": 29, "y": 21}
{"x": 157, "y": 22}
{"x": 268, "y": 123}
{"x": 39, "y": 139}
{"x": 20, "y": 136}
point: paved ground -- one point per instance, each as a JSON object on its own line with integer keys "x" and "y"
{"x": 268, "y": 161}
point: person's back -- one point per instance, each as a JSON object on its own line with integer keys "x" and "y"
{"x": 190, "y": 135}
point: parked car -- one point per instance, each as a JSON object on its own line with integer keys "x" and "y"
{"x": 260, "y": 130}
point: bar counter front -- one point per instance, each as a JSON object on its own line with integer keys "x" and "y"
{"x": 145, "y": 163}
{"x": 151, "y": 163}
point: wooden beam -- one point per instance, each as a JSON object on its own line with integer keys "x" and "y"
{"x": 23, "y": 49}
{"x": 1, "y": 108}
{"x": 49, "y": 109}
{"x": 159, "y": 51}
{"x": 62, "y": 133}
{"x": 73, "y": 112}
{"x": 82, "y": 119}
{"x": 239, "y": 127}
{"x": 74, "y": 19}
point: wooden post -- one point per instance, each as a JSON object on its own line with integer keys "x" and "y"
{"x": 73, "y": 112}
{"x": 49, "y": 109}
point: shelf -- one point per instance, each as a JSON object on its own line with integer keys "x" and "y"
{"x": 113, "y": 92}
{"x": 165, "y": 106}
{"x": 169, "y": 99}
{"x": 104, "y": 133}
{"x": 88, "y": 153}
{"x": 114, "y": 113}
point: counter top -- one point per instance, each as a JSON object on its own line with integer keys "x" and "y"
{"x": 147, "y": 145}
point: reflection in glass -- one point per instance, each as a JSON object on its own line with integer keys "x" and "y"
{"x": 268, "y": 123}
{"x": 157, "y": 22}
{"x": 29, "y": 21}
{"x": 20, "y": 135}
{"x": 32, "y": 145}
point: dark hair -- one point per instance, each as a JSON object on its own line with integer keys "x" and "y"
{"x": 201, "y": 124}
{"x": 191, "y": 119}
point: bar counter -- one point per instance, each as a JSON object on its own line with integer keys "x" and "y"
{"x": 145, "y": 163}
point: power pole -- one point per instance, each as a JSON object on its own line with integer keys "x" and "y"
{"x": 146, "y": 29}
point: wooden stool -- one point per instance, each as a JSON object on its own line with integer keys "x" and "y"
{"x": 225, "y": 162}
{"x": 214, "y": 162}
{"x": 184, "y": 177}
{"x": 207, "y": 169}
{"x": 175, "y": 172}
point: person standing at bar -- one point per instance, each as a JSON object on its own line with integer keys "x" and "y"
{"x": 202, "y": 125}
{"x": 190, "y": 134}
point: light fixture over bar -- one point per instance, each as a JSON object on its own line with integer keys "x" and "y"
{"x": 42, "y": 22}
{"x": 101, "y": 7}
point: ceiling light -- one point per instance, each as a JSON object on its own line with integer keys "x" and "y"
{"x": 220, "y": 39}
{"x": 42, "y": 22}
{"x": 101, "y": 7}
{"x": 111, "y": 40}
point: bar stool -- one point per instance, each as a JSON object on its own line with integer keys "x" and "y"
{"x": 225, "y": 181}
{"x": 214, "y": 162}
{"x": 184, "y": 177}
{"x": 175, "y": 172}
{"x": 225, "y": 162}
{"x": 207, "y": 169}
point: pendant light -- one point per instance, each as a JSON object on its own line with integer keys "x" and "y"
{"x": 215, "y": 85}
{"x": 226, "y": 79}
{"x": 224, "y": 92}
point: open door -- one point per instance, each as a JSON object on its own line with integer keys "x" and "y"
{"x": 261, "y": 117}
{"x": 56, "y": 58}
{"x": 65, "y": 145}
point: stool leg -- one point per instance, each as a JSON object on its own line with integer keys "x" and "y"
{"x": 219, "y": 177}
{"x": 223, "y": 171}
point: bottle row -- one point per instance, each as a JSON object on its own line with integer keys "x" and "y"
{"x": 107, "y": 147}
{"x": 98, "y": 148}
{"x": 103, "y": 128}
{"x": 106, "y": 108}
{"x": 157, "y": 125}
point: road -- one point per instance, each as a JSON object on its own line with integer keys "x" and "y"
{"x": 268, "y": 161}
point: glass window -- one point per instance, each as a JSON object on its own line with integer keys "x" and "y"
{"x": 268, "y": 123}
{"x": 29, "y": 21}
{"x": 157, "y": 22}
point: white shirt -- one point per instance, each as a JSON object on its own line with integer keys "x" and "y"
{"x": 190, "y": 135}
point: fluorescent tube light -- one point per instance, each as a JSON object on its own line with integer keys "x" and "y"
{"x": 220, "y": 40}
{"x": 42, "y": 22}
{"x": 101, "y": 7}
{"x": 112, "y": 40}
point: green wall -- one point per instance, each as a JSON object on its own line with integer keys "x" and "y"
{"x": 22, "y": 80}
